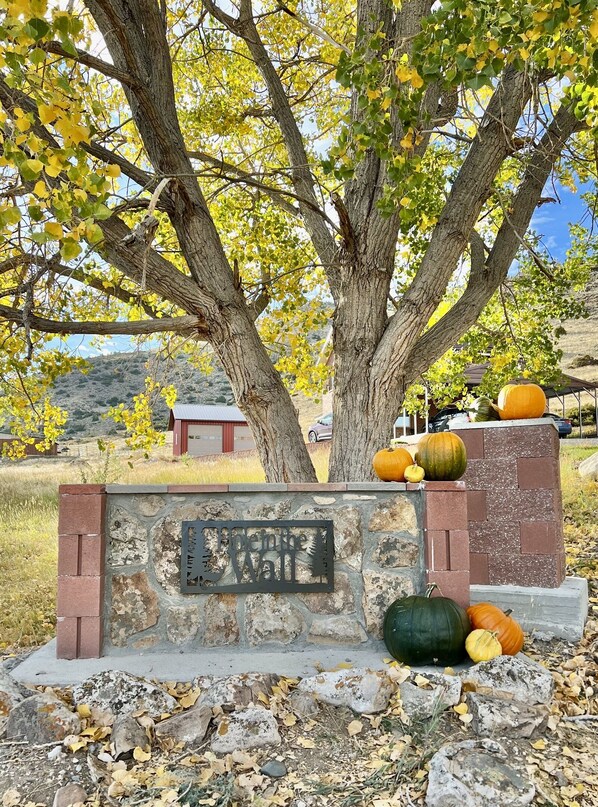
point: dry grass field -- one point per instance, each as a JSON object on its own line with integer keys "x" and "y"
{"x": 29, "y": 514}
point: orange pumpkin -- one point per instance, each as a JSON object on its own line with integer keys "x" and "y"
{"x": 518, "y": 401}
{"x": 490, "y": 617}
{"x": 390, "y": 464}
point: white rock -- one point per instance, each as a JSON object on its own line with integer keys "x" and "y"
{"x": 515, "y": 677}
{"x": 475, "y": 773}
{"x": 40, "y": 719}
{"x": 304, "y": 704}
{"x": 588, "y": 468}
{"x": 118, "y": 693}
{"x": 11, "y": 693}
{"x": 495, "y": 717}
{"x": 253, "y": 727}
{"x": 68, "y": 795}
{"x": 420, "y": 703}
{"x": 127, "y": 735}
{"x": 234, "y": 690}
{"x": 364, "y": 691}
{"x": 187, "y": 727}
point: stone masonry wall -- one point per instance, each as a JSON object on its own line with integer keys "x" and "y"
{"x": 119, "y": 565}
{"x": 514, "y": 503}
{"x": 378, "y": 548}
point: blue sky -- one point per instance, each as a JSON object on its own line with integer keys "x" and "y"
{"x": 552, "y": 220}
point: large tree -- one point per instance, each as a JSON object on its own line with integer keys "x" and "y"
{"x": 201, "y": 170}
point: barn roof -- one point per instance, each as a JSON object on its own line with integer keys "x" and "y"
{"x": 226, "y": 414}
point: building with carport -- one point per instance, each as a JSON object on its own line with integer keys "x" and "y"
{"x": 201, "y": 430}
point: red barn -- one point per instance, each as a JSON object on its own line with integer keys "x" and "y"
{"x": 200, "y": 430}
{"x": 30, "y": 450}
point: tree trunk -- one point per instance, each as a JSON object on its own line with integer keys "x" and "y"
{"x": 263, "y": 399}
{"x": 362, "y": 415}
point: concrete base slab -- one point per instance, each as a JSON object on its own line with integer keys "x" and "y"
{"x": 560, "y": 611}
{"x": 42, "y": 668}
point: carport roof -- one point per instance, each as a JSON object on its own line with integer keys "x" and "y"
{"x": 567, "y": 384}
{"x": 225, "y": 414}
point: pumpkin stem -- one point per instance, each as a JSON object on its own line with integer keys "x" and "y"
{"x": 431, "y": 588}
{"x": 508, "y": 612}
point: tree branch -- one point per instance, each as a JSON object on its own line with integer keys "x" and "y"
{"x": 186, "y": 324}
{"x": 487, "y": 274}
{"x": 469, "y": 192}
{"x": 94, "y": 62}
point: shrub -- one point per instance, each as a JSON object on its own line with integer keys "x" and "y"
{"x": 588, "y": 415}
{"x": 584, "y": 361}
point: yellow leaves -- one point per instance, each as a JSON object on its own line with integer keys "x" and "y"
{"x": 461, "y": 709}
{"x": 77, "y": 745}
{"x": 23, "y": 124}
{"x": 72, "y": 131}
{"x": 190, "y": 698}
{"x": 539, "y": 745}
{"x": 289, "y": 720}
{"x": 354, "y": 727}
{"x": 113, "y": 171}
{"x": 593, "y": 28}
{"x": 140, "y": 755}
{"x": 540, "y": 16}
{"x": 305, "y": 742}
{"x": 83, "y": 711}
{"x": 408, "y": 75}
{"x": 11, "y": 798}
{"x": 31, "y": 167}
{"x": 54, "y": 229}
{"x": 54, "y": 165}
{"x": 47, "y": 113}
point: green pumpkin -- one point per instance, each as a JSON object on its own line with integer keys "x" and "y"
{"x": 482, "y": 410}
{"x": 442, "y": 456}
{"x": 426, "y": 630}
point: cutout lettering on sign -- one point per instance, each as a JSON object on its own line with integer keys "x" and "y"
{"x": 257, "y": 556}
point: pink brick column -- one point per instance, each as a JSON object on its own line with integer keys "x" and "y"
{"x": 446, "y": 539}
{"x": 514, "y": 503}
{"x": 81, "y": 559}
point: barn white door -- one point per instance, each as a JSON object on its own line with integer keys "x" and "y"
{"x": 243, "y": 439}
{"x": 203, "y": 440}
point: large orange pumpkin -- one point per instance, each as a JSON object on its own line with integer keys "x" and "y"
{"x": 442, "y": 456}
{"x": 490, "y": 617}
{"x": 518, "y": 401}
{"x": 390, "y": 464}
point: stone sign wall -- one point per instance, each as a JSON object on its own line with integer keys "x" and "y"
{"x": 119, "y": 564}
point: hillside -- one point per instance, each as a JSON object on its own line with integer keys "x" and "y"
{"x": 118, "y": 377}
{"x": 580, "y": 342}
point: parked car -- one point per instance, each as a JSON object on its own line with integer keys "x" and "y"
{"x": 564, "y": 425}
{"x": 440, "y": 421}
{"x": 321, "y": 429}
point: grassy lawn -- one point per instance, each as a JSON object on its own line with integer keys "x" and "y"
{"x": 29, "y": 515}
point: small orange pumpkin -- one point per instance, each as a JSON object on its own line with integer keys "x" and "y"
{"x": 490, "y": 617}
{"x": 390, "y": 464}
{"x": 518, "y": 401}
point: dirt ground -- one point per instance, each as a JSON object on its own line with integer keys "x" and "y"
{"x": 335, "y": 758}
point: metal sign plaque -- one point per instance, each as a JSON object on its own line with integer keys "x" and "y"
{"x": 257, "y": 556}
